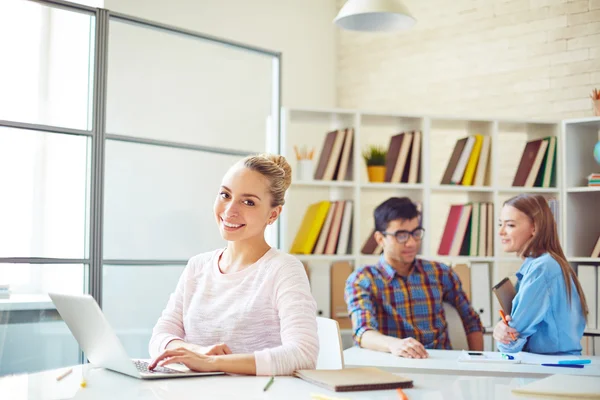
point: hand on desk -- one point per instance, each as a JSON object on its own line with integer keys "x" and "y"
{"x": 408, "y": 348}
{"x": 189, "y": 358}
{"x": 502, "y": 332}
{"x": 214, "y": 350}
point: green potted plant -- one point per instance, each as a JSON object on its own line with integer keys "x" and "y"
{"x": 375, "y": 158}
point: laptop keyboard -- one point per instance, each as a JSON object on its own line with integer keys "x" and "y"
{"x": 142, "y": 366}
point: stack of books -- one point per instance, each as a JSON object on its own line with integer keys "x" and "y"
{"x": 469, "y": 162}
{"x": 326, "y": 229}
{"x": 594, "y": 179}
{"x": 4, "y": 291}
{"x": 335, "y": 161}
{"x": 469, "y": 231}
{"x": 403, "y": 158}
{"x": 538, "y": 164}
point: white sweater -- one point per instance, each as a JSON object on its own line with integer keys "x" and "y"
{"x": 266, "y": 309}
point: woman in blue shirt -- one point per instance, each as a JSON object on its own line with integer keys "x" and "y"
{"x": 549, "y": 311}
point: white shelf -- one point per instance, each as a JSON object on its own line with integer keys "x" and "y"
{"x": 578, "y": 223}
{"x": 319, "y": 183}
{"x": 319, "y": 257}
{"x": 509, "y": 259}
{"x": 583, "y": 189}
{"x": 387, "y": 185}
{"x": 592, "y": 331}
{"x": 583, "y": 259}
{"x": 457, "y": 259}
{"x": 461, "y": 188}
{"x": 522, "y": 189}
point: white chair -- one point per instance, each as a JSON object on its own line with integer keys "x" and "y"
{"x": 456, "y": 330}
{"x": 331, "y": 352}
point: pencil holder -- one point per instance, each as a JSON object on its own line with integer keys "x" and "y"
{"x": 304, "y": 170}
{"x": 596, "y": 107}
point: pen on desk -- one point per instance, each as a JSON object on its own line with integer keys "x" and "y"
{"x": 268, "y": 385}
{"x": 563, "y": 365}
{"x": 64, "y": 374}
{"x": 401, "y": 394}
{"x": 567, "y": 362}
{"x": 512, "y": 335}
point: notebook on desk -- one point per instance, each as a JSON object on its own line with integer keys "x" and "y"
{"x": 571, "y": 386}
{"x": 354, "y": 379}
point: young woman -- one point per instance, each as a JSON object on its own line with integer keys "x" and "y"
{"x": 549, "y": 311}
{"x": 247, "y": 308}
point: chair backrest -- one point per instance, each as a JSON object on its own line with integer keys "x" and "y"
{"x": 331, "y": 352}
{"x": 456, "y": 330}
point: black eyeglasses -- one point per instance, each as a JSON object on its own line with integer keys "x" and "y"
{"x": 402, "y": 236}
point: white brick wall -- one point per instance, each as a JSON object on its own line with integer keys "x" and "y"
{"x": 515, "y": 58}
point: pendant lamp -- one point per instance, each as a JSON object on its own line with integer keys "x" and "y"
{"x": 374, "y": 16}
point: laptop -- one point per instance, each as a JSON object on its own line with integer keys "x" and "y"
{"x": 101, "y": 345}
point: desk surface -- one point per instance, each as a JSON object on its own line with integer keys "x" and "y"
{"x": 104, "y": 384}
{"x": 445, "y": 362}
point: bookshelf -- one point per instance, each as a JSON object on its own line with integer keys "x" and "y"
{"x": 578, "y": 225}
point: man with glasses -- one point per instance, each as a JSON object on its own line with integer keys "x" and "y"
{"x": 396, "y": 305}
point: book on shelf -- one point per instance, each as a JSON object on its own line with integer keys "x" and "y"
{"x": 596, "y": 250}
{"x": 371, "y": 246}
{"x": 403, "y": 158}
{"x": 325, "y": 229}
{"x": 468, "y": 231}
{"x": 335, "y": 160}
{"x": 311, "y": 225}
{"x": 469, "y": 161}
{"x": 537, "y": 167}
{"x": 594, "y": 180}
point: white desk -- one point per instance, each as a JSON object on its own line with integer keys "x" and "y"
{"x": 445, "y": 362}
{"x": 103, "y": 384}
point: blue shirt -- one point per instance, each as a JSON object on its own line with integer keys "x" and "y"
{"x": 541, "y": 312}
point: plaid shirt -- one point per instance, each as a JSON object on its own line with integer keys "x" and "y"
{"x": 380, "y": 299}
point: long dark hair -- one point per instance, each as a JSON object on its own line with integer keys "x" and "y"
{"x": 546, "y": 239}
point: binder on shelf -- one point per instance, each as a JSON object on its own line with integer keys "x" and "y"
{"x": 415, "y": 159}
{"x": 481, "y": 292}
{"x": 339, "y": 273}
{"x": 400, "y": 163}
{"x": 483, "y": 162}
{"x": 334, "y": 232}
{"x": 483, "y": 229}
{"x": 530, "y": 163}
{"x": 588, "y": 279}
{"x": 459, "y": 172}
{"x": 454, "y": 158}
{"x": 546, "y": 176}
{"x": 596, "y": 250}
{"x": 313, "y": 221}
{"x": 450, "y": 230}
{"x": 324, "y": 233}
{"x": 343, "y": 245}
{"x": 469, "y": 175}
{"x": 370, "y": 246}
{"x": 461, "y": 230}
{"x": 345, "y": 171}
{"x": 464, "y": 275}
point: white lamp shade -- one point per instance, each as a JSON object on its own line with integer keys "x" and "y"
{"x": 374, "y": 16}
